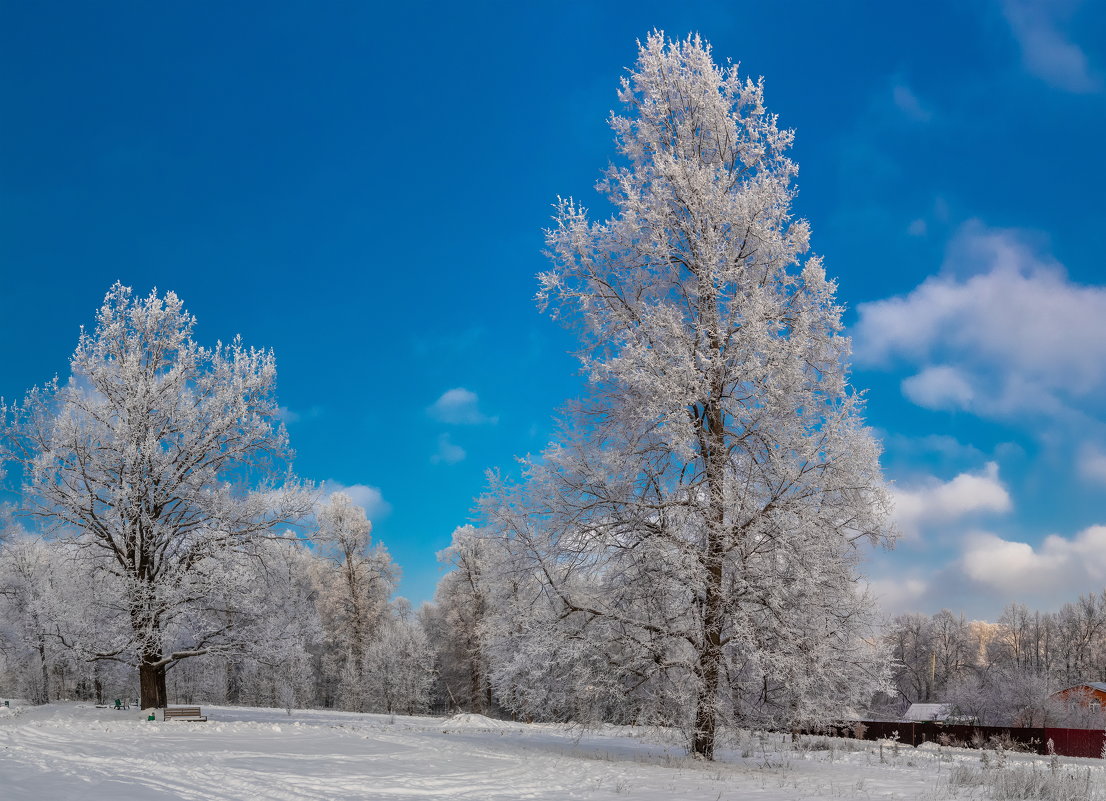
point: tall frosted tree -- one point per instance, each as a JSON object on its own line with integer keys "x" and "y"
{"x": 695, "y": 523}
{"x": 400, "y": 663}
{"x": 354, "y": 580}
{"x": 158, "y": 459}
{"x": 458, "y": 618}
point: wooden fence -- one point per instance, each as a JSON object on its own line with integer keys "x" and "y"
{"x": 1078, "y": 742}
{"x": 1065, "y": 742}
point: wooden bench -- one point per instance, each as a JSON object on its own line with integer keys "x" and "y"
{"x": 187, "y": 713}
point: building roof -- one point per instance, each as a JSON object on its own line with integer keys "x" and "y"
{"x": 922, "y": 712}
{"x": 1094, "y": 685}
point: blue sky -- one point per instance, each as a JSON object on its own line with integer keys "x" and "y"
{"x": 363, "y": 188}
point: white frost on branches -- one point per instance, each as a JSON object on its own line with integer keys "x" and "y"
{"x": 692, "y": 533}
{"x": 354, "y": 581}
{"x": 160, "y": 461}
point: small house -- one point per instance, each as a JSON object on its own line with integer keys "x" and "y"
{"x": 1090, "y": 695}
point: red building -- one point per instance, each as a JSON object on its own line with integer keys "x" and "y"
{"x": 1090, "y": 695}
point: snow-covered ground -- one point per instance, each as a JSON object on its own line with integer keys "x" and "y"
{"x": 76, "y": 751}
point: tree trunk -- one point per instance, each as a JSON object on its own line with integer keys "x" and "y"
{"x": 44, "y": 695}
{"x": 710, "y": 656}
{"x": 233, "y": 684}
{"x": 151, "y": 683}
{"x": 476, "y": 683}
{"x": 357, "y": 634}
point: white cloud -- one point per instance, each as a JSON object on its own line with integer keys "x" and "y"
{"x": 459, "y": 406}
{"x": 940, "y": 387}
{"x": 1000, "y": 331}
{"x": 936, "y": 502}
{"x": 896, "y": 595}
{"x": 290, "y": 416}
{"x": 1046, "y": 52}
{"x": 917, "y": 227}
{"x": 448, "y": 452}
{"x": 909, "y": 104}
{"x": 987, "y": 571}
{"x": 1059, "y": 566}
{"x": 371, "y": 499}
{"x": 1092, "y": 464}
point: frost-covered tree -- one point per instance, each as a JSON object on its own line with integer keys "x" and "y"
{"x": 458, "y": 620}
{"x": 1080, "y": 641}
{"x": 399, "y": 664}
{"x": 695, "y": 524}
{"x": 931, "y": 653}
{"x": 278, "y": 623}
{"x": 158, "y": 460}
{"x": 289, "y": 630}
{"x": 32, "y": 588}
{"x": 43, "y": 603}
{"x": 354, "y": 580}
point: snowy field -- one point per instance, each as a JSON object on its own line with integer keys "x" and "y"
{"x": 76, "y": 751}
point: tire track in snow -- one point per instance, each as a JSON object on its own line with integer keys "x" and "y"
{"x": 115, "y": 753}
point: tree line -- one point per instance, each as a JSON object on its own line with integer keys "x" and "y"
{"x": 1002, "y": 673}
{"x": 283, "y": 622}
